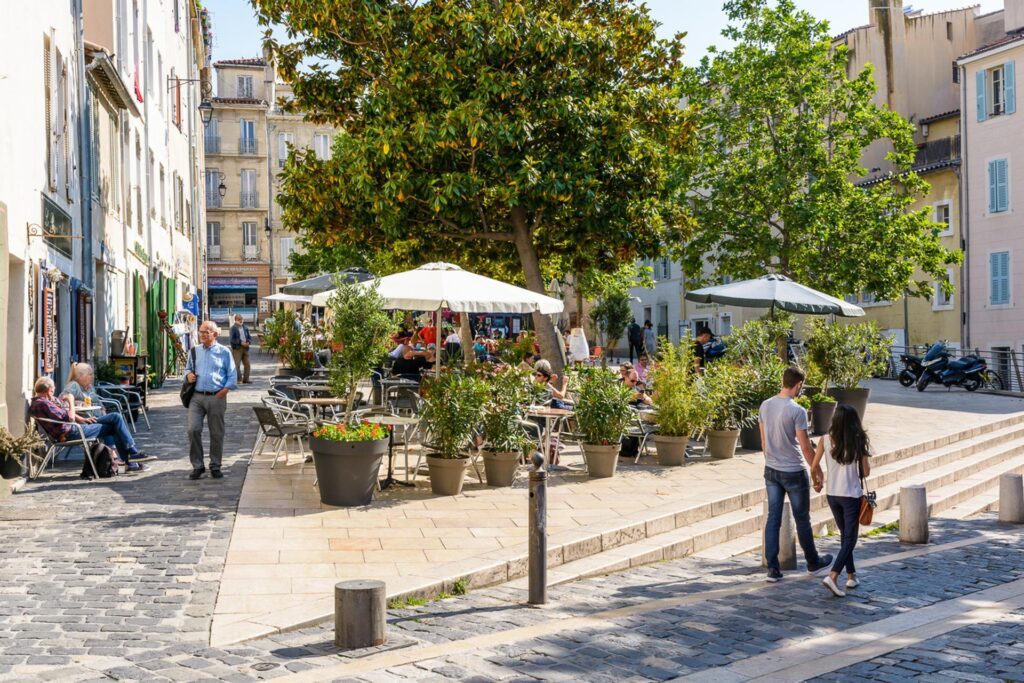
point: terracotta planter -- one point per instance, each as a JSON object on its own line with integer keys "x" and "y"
{"x": 10, "y": 468}
{"x": 821, "y": 416}
{"x": 347, "y": 471}
{"x": 721, "y": 444}
{"x": 750, "y": 437}
{"x": 856, "y": 398}
{"x": 447, "y": 474}
{"x": 671, "y": 449}
{"x": 602, "y": 459}
{"x": 500, "y": 467}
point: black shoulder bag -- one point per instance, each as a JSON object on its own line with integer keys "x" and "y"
{"x": 188, "y": 389}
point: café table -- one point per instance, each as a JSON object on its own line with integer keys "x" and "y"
{"x": 395, "y": 421}
{"x": 392, "y": 385}
{"x": 311, "y": 389}
{"x": 323, "y": 403}
{"x": 94, "y": 408}
{"x": 551, "y": 416}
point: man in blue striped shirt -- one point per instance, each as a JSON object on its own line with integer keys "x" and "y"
{"x": 214, "y": 374}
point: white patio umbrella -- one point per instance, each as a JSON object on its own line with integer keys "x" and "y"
{"x": 288, "y": 298}
{"x": 775, "y": 291}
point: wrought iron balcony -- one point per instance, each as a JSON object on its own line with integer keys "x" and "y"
{"x": 248, "y": 200}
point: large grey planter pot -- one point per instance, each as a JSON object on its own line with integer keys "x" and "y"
{"x": 347, "y": 471}
{"x": 821, "y": 416}
{"x": 857, "y": 398}
{"x": 500, "y": 467}
{"x": 750, "y": 437}
{"x": 671, "y": 449}
{"x": 721, "y": 444}
{"x": 447, "y": 474}
{"x": 10, "y": 468}
{"x": 602, "y": 459}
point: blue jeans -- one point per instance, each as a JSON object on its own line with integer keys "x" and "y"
{"x": 846, "y": 511}
{"x": 113, "y": 431}
{"x": 796, "y": 485}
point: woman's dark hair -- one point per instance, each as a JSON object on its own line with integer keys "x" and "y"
{"x": 849, "y": 440}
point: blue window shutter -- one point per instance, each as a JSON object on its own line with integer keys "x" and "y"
{"x": 992, "y": 188}
{"x": 1002, "y": 185}
{"x": 1009, "y": 90}
{"x": 1004, "y": 291}
{"x": 980, "y": 95}
{"x": 999, "y": 278}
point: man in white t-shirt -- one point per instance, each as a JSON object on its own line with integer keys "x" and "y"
{"x": 788, "y": 456}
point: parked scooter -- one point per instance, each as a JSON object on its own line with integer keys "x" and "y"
{"x": 968, "y": 372}
{"x": 933, "y": 367}
{"x": 913, "y": 366}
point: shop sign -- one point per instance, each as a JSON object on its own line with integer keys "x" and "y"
{"x": 57, "y": 227}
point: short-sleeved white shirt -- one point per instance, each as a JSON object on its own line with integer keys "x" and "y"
{"x": 841, "y": 480}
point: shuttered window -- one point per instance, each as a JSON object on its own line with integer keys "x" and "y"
{"x": 999, "y": 278}
{"x": 998, "y": 185}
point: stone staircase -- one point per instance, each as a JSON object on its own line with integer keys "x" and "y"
{"x": 961, "y": 472}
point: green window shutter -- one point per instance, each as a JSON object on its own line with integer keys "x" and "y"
{"x": 992, "y": 191}
{"x": 1009, "y": 89}
{"x": 980, "y": 95}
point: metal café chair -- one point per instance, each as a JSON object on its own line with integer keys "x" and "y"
{"x": 76, "y": 438}
{"x": 272, "y": 428}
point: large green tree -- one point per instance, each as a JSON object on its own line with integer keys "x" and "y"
{"x": 523, "y": 138}
{"x": 784, "y": 128}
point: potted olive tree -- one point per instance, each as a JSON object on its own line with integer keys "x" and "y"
{"x": 285, "y": 336}
{"x": 504, "y": 438}
{"x": 454, "y": 407}
{"x": 674, "y": 390}
{"x": 347, "y": 457}
{"x": 602, "y": 415}
{"x": 721, "y": 406}
{"x": 14, "y": 450}
{"x": 846, "y": 355}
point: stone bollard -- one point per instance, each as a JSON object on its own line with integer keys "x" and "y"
{"x": 360, "y": 609}
{"x": 913, "y": 514}
{"x": 1011, "y": 498}
{"x": 787, "y": 538}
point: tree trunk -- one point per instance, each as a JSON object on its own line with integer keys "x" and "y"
{"x": 550, "y": 341}
{"x": 466, "y": 335}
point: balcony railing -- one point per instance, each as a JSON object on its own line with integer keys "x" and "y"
{"x": 213, "y": 251}
{"x": 250, "y": 252}
{"x": 213, "y": 201}
{"x": 248, "y": 200}
{"x": 247, "y": 145}
{"x": 937, "y": 151}
{"x": 212, "y": 144}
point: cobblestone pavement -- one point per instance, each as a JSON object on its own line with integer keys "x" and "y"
{"x": 117, "y": 580}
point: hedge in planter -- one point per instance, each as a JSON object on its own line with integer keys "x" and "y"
{"x": 13, "y": 450}
{"x": 504, "y": 438}
{"x": 454, "y": 407}
{"x": 762, "y": 381}
{"x": 846, "y": 355}
{"x": 602, "y": 415}
{"x": 674, "y": 393}
{"x": 721, "y": 408}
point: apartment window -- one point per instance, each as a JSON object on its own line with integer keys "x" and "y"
{"x": 247, "y": 141}
{"x": 176, "y": 101}
{"x": 942, "y": 216}
{"x": 163, "y": 198}
{"x": 148, "y": 66}
{"x": 283, "y": 141}
{"x": 867, "y": 297}
{"x": 179, "y": 207}
{"x": 647, "y": 313}
{"x": 114, "y": 149}
{"x": 666, "y": 268}
{"x": 149, "y": 183}
{"x": 94, "y": 146}
{"x": 248, "y": 199}
{"x": 212, "y": 183}
{"x": 999, "y": 278}
{"x": 725, "y": 324}
{"x": 998, "y": 185}
{"x": 250, "y": 245}
{"x": 949, "y": 30}
{"x": 211, "y": 137}
{"x": 943, "y": 300}
{"x": 213, "y": 239}
{"x": 287, "y": 249}
{"x": 995, "y": 91}
{"x": 322, "y": 146}
{"x": 243, "y": 87}
{"x": 662, "y": 325}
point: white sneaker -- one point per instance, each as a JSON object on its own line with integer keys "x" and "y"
{"x": 831, "y": 585}
{"x": 852, "y": 582}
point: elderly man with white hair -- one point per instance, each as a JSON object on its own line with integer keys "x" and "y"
{"x": 212, "y": 368}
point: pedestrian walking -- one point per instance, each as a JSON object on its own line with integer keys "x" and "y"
{"x": 650, "y": 339}
{"x": 240, "y": 340}
{"x": 844, "y": 450}
{"x": 788, "y": 454}
{"x": 635, "y": 339}
{"x": 212, "y": 368}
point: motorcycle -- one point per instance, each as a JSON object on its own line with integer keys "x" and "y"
{"x": 969, "y": 372}
{"x": 913, "y": 365}
{"x": 933, "y": 365}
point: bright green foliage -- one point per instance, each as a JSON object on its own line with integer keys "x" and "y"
{"x": 509, "y": 389}
{"x": 720, "y": 404}
{"x": 284, "y": 336}
{"x": 846, "y": 355}
{"x": 520, "y": 138}
{"x": 675, "y": 392}
{"x": 454, "y": 406}
{"x": 761, "y": 380}
{"x": 786, "y": 128}
{"x": 803, "y": 401}
{"x": 602, "y": 406}
{"x": 349, "y": 433}
{"x": 822, "y": 398}
{"x": 612, "y": 314}
{"x": 361, "y": 334}
{"x": 756, "y": 341}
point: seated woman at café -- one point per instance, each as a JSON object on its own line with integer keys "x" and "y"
{"x": 627, "y": 375}
{"x": 411, "y": 363}
{"x": 81, "y": 385}
{"x": 641, "y": 367}
{"x": 542, "y": 375}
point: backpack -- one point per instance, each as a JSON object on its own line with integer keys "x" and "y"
{"x": 104, "y": 458}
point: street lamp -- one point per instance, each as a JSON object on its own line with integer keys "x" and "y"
{"x": 205, "y": 112}
{"x": 222, "y": 189}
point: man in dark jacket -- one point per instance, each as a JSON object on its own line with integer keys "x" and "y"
{"x": 635, "y": 338}
{"x": 240, "y": 341}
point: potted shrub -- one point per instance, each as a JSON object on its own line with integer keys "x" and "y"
{"x": 602, "y": 415}
{"x": 805, "y": 403}
{"x": 454, "y": 406}
{"x": 347, "y": 457}
{"x": 823, "y": 407}
{"x": 722, "y": 408}
{"x": 504, "y": 438}
{"x": 14, "y": 449}
{"x": 763, "y": 381}
{"x": 674, "y": 387}
{"x": 846, "y": 355}
{"x": 284, "y": 336}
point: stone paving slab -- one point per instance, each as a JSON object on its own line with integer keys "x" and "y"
{"x": 288, "y": 549}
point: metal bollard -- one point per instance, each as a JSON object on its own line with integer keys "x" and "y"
{"x": 1011, "y": 498}
{"x": 787, "y": 538}
{"x": 913, "y": 514}
{"x": 538, "y": 532}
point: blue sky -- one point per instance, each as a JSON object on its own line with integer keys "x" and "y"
{"x": 237, "y": 35}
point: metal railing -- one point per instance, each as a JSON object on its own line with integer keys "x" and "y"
{"x": 935, "y": 151}
{"x": 248, "y": 200}
{"x": 247, "y": 145}
{"x": 212, "y": 144}
{"x": 1007, "y": 364}
{"x": 213, "y": 201}
{"x": 213, "y": 251}
{"x": 250, "y": 252}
